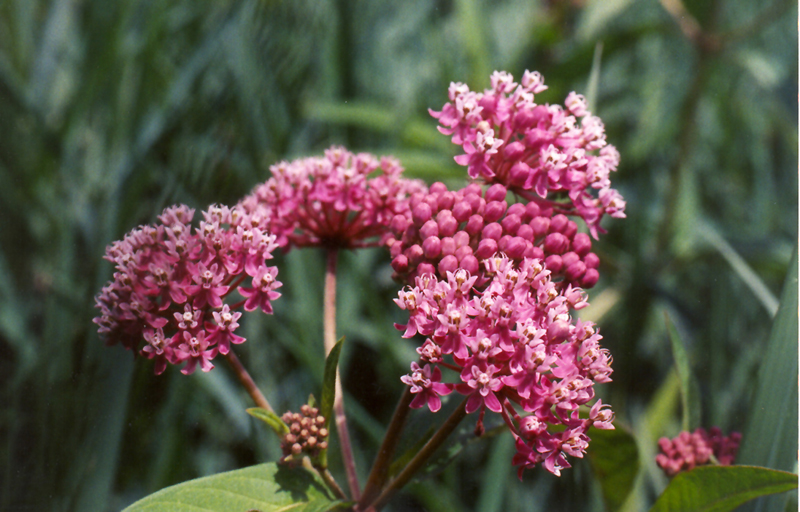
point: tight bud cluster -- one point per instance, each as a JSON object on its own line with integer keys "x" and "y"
{"x": 688, "y": 450}
{"x": 172, "y": 286}
{"x": 307, "y": 434}
{"x": 445, "y": 230}
{"x": 340, "y": 200}
{"x": 541, "y": 152}
{"x": 513, "y": 345}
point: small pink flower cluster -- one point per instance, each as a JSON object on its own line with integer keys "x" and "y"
{"x": 445, "y": 230}
{"x": 307, "y": 434}
{"x": 537, "y": 151}
{"x": 340, "y": 200}
{"x": 171, "y": 284}
{"x": 688, "y": 450}
{"x": 512, "y": 343}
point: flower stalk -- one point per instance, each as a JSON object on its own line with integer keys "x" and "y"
{"x": 421, "y": 457}
{"x": 329, "y": 327}
{"x": 247, "y": 381}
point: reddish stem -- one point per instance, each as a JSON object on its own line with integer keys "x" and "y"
{"x": 329, "y": 325}
{"x": 247, "y": 381}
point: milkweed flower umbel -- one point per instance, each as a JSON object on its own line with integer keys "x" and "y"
{"x": 340, "y": 200}
{"x": 555, "y": 156}
{"x": 688, "y": 450}
{"x": 516, "y": 351}
{"x": 172, "y": 286}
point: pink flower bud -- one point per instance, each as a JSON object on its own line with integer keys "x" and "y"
{"x": 518, "y": 174}
{"x": 526, "y": 232}
{"x": 430, "y": 228}
{"x": 540, "y": 225}
{"x": 486, "y": 248}
{"x": 400, "y": 264}
{"x": 474, "y": 225}
{"x": 555, "y": 243}
{"x": 421, "y": 213}
{"x": 396, "y": 248}
{"x": 591, "y": 260}
{"x": 581, "y": 244}
{"x": 425, "y": 268}
{"x": 448, "y": 264}
{"x": 558, "y": 223}
{"x": 437, "y": 188}
{"x": 448, "y": 246}
{"x": 515, "y": 248}
{"x": 494, "y": 211}
{"x": 570, "y": 230}
{"x": 553, "y": 263}
{"x": 446, "y": 201}
{"x": 463, "y": 252}
{"x": 414, "y": 254}
{"x": 511, "y": 224}
{"x": 496, "y": 192}
{"x": 532, "y": 210}
{"x": 461, "y": 239}
{"x": 569, "y": 258}
{"x": 432, "y": 247}
{"x": 590, "y": 278}
{"x": 447, "y": 223}
{"x": 493, "y": 231}
{"x": 475, "y": 202}
{"x": 399, "y": 224}
{"x": 575, "y": 271}
{"x": 470, "y": 264}
{"x": 462, "y": 211}
{"x": 514, "y": 150}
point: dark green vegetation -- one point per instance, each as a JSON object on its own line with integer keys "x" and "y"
{"x": 110, "y": 111}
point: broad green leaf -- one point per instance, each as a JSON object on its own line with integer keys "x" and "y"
{"x": 770, "y": 438}
{"x": 270, "y": 418}
{"x": 614, "y": 457}
{"x": 266, "y": 488}
{"x": 721, "y": 488}
{"x": 690, "y": 390}
{"x": 329, "y": 381}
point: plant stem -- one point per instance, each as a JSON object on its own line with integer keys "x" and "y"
{"x": 422, "y": 457}
{"x": 247, "y": 381}
{"x": 326, "y": 477}
{"x": 380, "y": 468}
{"x": 329, "y": 326}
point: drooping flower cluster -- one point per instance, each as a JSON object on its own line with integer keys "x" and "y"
{"x": 539, "y": 151}
{"x": 339, "y": 200}
{"x": 513, "y": 345}
{"x": 689, "y": 450}
{"x": 307, "y": 434}
{"x": 172, "y": 286}
{"x": 445, "y": 230}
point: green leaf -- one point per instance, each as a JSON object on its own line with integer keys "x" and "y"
{"x": 721, "y": 488}
{"x": 690, "y": 390}
{"x": 266, "y": 488}
{"x": 270, "y": 418}
{"x": 614, "y": 458}
{"x": 329, "y": 381}
{"x": 594, "y": 77}
{"x": 770, "y": 438}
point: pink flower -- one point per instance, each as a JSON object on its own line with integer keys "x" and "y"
{"x": 263, "y": 291}
{"x": 339, "y": 200}
{"x": 688, "y": 450}
{"x": 170, "y": 281}
{"x": 514, "y": 346}
{"x": 425, "y": 383}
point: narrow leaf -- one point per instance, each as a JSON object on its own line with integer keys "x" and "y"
{"x": 594, "y": 77}
{"x": 614, "y": 458}
{"x": 329, "y": 381}
{"x": 266, "y": 488}
{"x": 721, "y": 488}
{"x": 770, "y": 438}
{"x": 690, "y": 390}
{"x": 270, "y": 418}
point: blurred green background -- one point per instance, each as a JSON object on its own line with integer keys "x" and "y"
{"x": 112, "y": 110}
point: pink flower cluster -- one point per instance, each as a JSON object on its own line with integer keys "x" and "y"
{"x": 540, "y": 152}
{"x": 688, "y": 450}
{"x": 340, "y": 200}
{"x": 512, "y": 344}
{"x": 171, "y": 285}
{"x": 445, "y": 230}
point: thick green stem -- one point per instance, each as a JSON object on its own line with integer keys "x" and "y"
{"x": 380, "y": 468}
{"x": 247, "y": 381}
{"x": 421, "y": 458}
{"x": 329, "y": 325}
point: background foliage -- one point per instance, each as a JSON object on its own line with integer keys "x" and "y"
{"x": 110, "y": 111}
